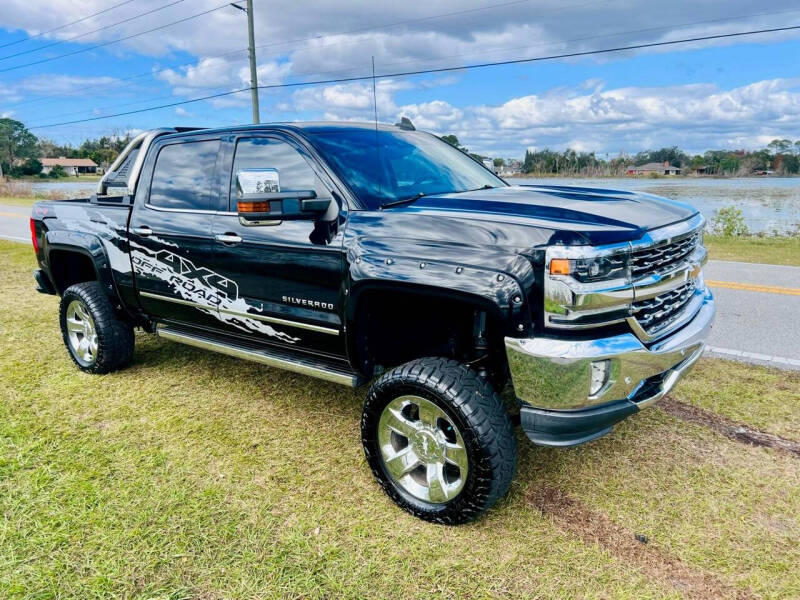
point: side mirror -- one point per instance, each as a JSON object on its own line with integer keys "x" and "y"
{"x": 282, "y": 206}
{"x": 260, "y": 198}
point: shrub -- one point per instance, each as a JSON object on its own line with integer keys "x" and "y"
{"x": 32, "y": 166}
{"x": 57, "y": 171}
{"x": 729, "y": 222}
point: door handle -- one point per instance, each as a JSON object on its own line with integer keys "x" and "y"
{"x": 143, "y": 231}
{"x": 228, "y": 238}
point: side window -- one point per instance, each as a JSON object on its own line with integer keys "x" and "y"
{"x": 183, "y": 175}
{"x": 293, "y": 171}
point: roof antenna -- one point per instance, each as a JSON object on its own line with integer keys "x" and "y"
{"x": 375, "y": 108}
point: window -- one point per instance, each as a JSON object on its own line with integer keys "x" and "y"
{"x": 183, "y": 175}
{"x": 390, "y": 165}
{"x": 293, "y": 172}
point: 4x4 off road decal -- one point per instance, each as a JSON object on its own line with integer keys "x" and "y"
{"x": 201, "y": 286}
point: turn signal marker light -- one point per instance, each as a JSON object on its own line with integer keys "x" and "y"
{"x": 254, "y": 207}
{"x": 559, "y": 266}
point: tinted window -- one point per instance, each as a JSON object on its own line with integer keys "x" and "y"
{"x": 183, "y": 175}
{"x": 294, "y": 173}
{"x": 392, "y": 165}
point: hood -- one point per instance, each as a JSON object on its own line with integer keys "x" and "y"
{"x": 575, "y": 215}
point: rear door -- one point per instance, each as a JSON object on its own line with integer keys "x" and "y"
{"x": 287, "y": 274}
{"x": 170, "y": 232}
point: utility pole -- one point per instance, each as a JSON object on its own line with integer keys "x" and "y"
{"x": 251, "y": 45}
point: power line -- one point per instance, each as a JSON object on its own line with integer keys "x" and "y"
{"x": 81, "y": 20}
{"x": 64, "y": 41}
{"x": 491, "y": 51}
{"x": 122, "y": 39}
{"x": 440, "y": 70}
{"x": 342, "y": 70}
{"x": 497, "y": 49}
{"x": 286, "y": 42}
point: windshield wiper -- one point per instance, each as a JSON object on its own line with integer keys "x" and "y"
{"x": 400, "y": 201}
{"x": 415, "y": 197}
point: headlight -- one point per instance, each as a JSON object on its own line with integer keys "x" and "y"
{"x": 587, "y": 270}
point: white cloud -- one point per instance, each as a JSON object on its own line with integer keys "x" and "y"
{"x": 339, "y": 37}
{"x": 694, "y": 116}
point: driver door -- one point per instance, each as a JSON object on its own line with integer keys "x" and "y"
{"x": 287, "y": 274}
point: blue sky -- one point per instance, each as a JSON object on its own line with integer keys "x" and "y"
{"x": 735, "y": 93}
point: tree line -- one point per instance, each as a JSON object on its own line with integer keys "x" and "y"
{"x": 780, "y": 156}
{"x": 21, "y": 150}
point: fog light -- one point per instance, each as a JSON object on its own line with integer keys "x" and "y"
{"x": 599, "y": 375}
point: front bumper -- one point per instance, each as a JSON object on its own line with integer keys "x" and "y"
{"x": 554, "y": 378}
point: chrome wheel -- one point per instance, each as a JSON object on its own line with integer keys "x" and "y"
{"x": 422, "y": 449}
{"x": 82, "y": 332}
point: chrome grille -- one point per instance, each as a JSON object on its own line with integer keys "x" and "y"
{"x": 663, "y": 256}
{"x": 658, "y": 313}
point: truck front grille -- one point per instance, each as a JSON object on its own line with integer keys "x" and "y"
{"x": 660, "y": 258}
{"x": 658, "y": 313}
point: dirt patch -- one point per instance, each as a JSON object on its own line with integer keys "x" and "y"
{"x": 730, "y": 429}
{"x": 596, "y": 528}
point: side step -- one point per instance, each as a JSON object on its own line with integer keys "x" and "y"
{"x": 306, "y": 365}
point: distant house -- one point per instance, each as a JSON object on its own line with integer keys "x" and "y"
{"x": 661, "y": 168}
{"x": 72, "y": 166}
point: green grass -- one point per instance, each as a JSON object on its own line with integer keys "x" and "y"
{"x": 781, "y": 250}
{"x": 18, "y": 201}
{"x": 194, "y": 475}
{"x": 767, "y": 399}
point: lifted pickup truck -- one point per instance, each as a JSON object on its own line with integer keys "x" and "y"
{"x": 358, "y": 253}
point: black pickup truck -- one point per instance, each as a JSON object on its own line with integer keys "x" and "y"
{"x": 374, "y": 253}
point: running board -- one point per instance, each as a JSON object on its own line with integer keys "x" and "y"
{"x": 274, "y": 358}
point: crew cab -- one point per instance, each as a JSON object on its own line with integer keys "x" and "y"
{"x": 364, "y": 253}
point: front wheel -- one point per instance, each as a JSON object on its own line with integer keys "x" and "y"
{"x": 439, "y": 440}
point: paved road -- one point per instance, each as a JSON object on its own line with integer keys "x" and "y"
{"x": 758, "y": 306}
{"x": 14, "y": 223}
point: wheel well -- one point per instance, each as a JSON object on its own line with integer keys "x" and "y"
{"x": 68, "y": 268}
{"x": 393, "y": 327}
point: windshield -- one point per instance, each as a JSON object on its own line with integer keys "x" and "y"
{"x": 402, "y": 165}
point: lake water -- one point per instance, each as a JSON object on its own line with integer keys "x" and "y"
{"x": 769, "y": 204}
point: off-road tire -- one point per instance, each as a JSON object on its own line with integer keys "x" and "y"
{"x": 477, "y": 412}
{"x": 115, "y": 338}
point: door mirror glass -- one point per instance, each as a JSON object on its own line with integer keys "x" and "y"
{"x": 257, "y": 181}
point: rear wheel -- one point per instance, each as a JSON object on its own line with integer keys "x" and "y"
{"x": 439, "y": 440}
{"x": 97, "y": 340}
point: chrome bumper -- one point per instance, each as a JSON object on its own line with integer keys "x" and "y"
{"x": 555, "y": 374}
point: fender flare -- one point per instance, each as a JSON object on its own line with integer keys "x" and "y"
{"x": 500, "y": 292}
{"x": 91, "y": 246}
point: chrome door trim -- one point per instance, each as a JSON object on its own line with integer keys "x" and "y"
{"x": 276, "y": 320}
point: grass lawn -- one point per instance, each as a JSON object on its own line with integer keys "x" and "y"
{"x": 193, "y": 475}
{"x": 769, "y": 250}
{"x": 18, "y": 201}
{"x": 35, "y": 178}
